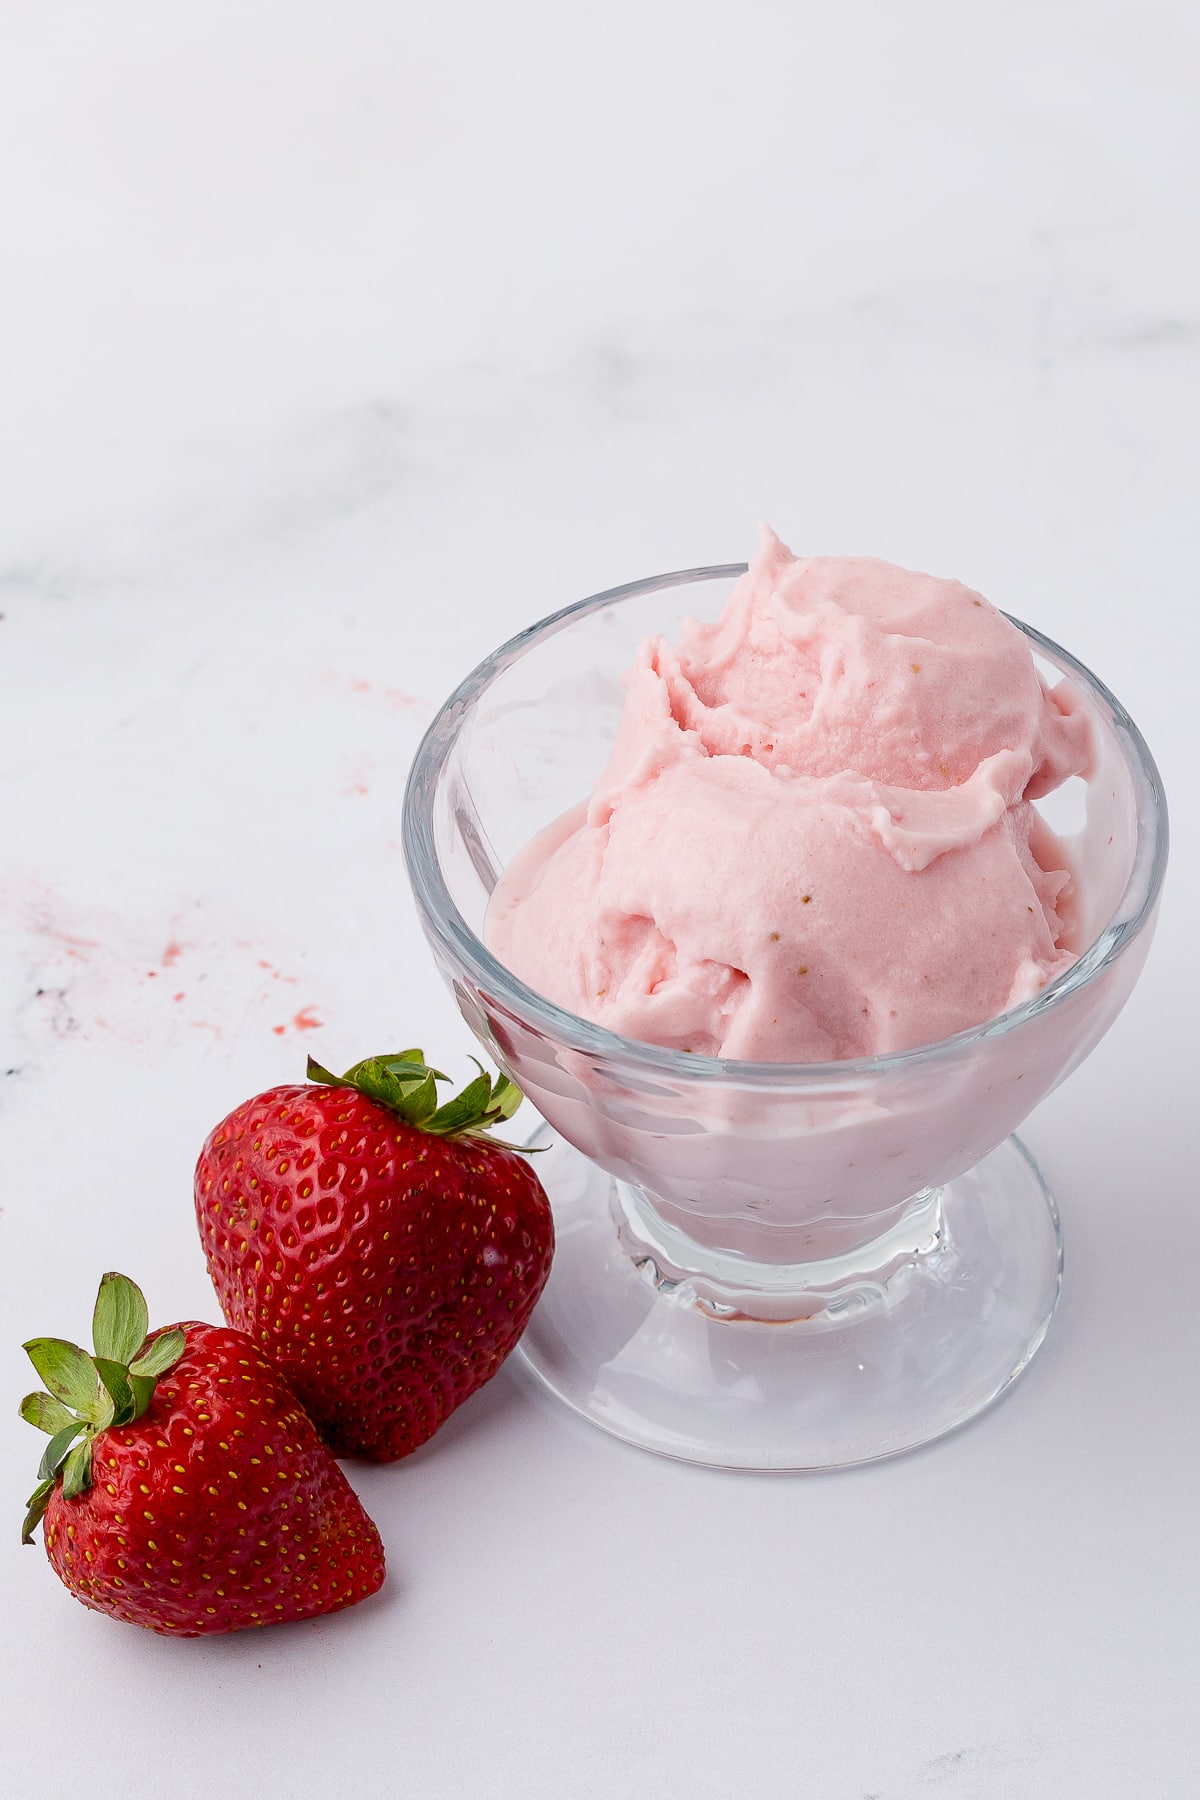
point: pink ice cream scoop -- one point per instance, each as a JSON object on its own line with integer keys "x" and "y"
{"x": 814, "y": 838}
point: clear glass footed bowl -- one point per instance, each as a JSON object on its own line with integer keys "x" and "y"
{"x": 768, "y": 1265}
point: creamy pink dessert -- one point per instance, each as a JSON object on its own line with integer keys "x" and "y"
{"x": 814, "y": 839}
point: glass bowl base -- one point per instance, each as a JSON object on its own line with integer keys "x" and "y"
{"x": 894, "y": 1347}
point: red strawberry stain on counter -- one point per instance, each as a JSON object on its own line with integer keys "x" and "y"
{"x": 149, "y": 982}
{"x": 395, "y": 697}
{"x": 305, "y": 1020}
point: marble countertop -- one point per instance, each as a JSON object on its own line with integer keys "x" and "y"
{"x": 338, "y": 344}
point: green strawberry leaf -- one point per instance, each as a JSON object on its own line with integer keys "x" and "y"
{"x": 407, "y": 1065}
{"x": 115, "y": 1377}
{"x": 68, "y": 1372}
{"x": 481, "y": 1105}
{"x": 467, "y": 1108}
{"x": 419, "y": 1104}
{"x": 121, "y": 1319}
{"x": 77, "y": 1470}
{"x": 506, "y": 1097}
{"x": 38, "y": 1502}
{"x": 396, "y": 1087}
{"x": 159, "y": 1356}
{"x": 47, "y": 1413}
{"x": 55, "y": 1452}
{"x": 142, "y": 1389}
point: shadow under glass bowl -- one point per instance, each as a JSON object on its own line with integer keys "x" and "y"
{"x": 768, "y": 1265}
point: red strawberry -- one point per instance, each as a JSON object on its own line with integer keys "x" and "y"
{"x": 198, "y": 1497}
{"x": 385, "y": 1251}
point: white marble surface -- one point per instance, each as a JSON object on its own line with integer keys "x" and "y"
{"x": 339, "y": 342}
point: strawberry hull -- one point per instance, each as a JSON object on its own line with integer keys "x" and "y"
{"x": 388, "y": 1271}
{"x": 219, "y": 1509}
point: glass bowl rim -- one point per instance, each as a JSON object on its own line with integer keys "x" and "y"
{"x": 443, "y": 920}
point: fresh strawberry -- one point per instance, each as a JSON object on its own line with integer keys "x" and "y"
{"x": 183, "y": 1487}
{"x": 383, "y": 1249}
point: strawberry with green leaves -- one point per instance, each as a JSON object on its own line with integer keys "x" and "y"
{"x": 183, "y": 1487}
{"x": 385, "y": 1250}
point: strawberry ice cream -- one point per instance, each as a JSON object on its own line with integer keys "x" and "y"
{"x": 814, "y": 839}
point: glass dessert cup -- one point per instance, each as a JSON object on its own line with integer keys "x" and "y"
{"x": 768, "y": 1265}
